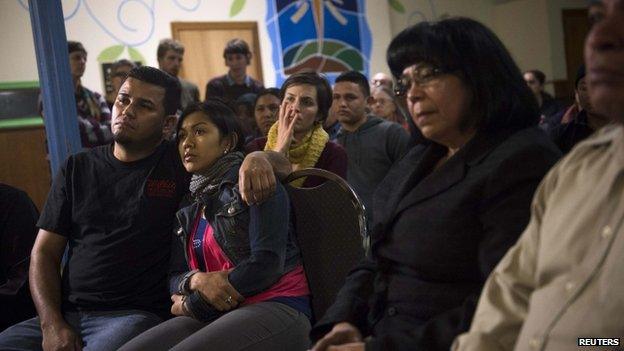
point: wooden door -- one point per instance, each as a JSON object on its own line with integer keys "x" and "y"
{"x": 575, "y": 29}
{"x": 24, "y": 163}
{"x": 204, "y": 43}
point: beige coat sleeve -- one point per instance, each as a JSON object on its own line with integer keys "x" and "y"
{"x": 503, "y": 304}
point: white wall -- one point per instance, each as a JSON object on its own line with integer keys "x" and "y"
{"x": 419, "y": 10}
{"x": 96, "y": 25}
{"x": 17, "y": 61}
{"x": 531, "y": 29}
{"x": 523, "y": 27}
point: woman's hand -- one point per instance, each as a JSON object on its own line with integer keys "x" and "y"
{"x": 286, "y": 128}
{"x": 177, "y": 309}
{"x": 216, "y": 289}
{"x": 343, "y": 336}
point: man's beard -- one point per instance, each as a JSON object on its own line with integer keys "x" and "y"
{"x": 134, "y": 144}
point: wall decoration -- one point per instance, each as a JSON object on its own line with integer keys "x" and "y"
{"x": 327, "y": 36}
{"x": 397, "y": 6}
{"x": 237, "y": 7}
{"x": 124, "y": 30}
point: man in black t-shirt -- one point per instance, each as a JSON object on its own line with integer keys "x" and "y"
{"x": 113, "y": 208}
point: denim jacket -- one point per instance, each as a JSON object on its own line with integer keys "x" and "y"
{"x": 259, "y": 240}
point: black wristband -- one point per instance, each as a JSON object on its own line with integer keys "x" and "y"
{"x": 184, "y": 286}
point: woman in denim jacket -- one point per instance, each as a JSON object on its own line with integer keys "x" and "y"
{"x": 236, "y": 279}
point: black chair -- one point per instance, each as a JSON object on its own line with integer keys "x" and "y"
{"x": 330, "y": 222}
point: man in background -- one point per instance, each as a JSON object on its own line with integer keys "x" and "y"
{"x": 586, "y": 121}
{"x": 373, "y": 144}
{"x": 94, "y": 114}
{"x": 170, "y": 55}
{"x": 118, "y": 73}
{"x": 381, "y": 80}
{"x": 236, "y": 82}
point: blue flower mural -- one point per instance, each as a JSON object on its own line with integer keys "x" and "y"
{"x": 328, "y": 36}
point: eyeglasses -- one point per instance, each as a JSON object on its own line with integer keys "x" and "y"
{"x": 120, "y": 74}
{"x": 379, "y": 82}
{"x": 420, "y": 75}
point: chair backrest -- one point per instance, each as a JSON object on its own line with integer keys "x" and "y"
{"x": 330, "y": 222}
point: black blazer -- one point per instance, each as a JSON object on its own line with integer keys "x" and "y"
{"x": 436, "y": 237}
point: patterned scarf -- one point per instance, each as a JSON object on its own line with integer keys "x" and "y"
{"x": 307, "y": 153}
{"x": 209, "y": 183}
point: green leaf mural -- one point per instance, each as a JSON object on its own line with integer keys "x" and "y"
{"x": 237, "y": 6}
{"x": 135, "y": 55}
{"x": 333, "y": 54}
{"x": 397, "y": 6}
{"x": 111, "y": 53}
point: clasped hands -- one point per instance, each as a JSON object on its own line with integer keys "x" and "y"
{"x": 344, "y": 336}
{"x": 214, "y": 288}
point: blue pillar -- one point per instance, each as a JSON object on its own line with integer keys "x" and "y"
{"x": 57, "y": 90}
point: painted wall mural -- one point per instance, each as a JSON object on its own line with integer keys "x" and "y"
{"x": 123, "y": 29}
{"x": 327, "y": 36}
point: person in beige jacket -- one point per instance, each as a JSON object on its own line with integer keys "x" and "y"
{"x": 562, "y": 284}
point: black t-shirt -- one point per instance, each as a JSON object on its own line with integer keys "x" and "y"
{"x": 118, "y": 219}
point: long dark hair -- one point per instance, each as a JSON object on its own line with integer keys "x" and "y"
{"x": 471, "y": 51}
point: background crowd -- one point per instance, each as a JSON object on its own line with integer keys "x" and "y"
{"x": 494, "y": 211}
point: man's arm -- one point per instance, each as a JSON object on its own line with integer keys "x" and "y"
{"x": 257, "y": 175}
{"x": 45, "y": 287}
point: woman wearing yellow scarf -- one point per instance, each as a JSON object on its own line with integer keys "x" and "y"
{"x": 298, "y": 132}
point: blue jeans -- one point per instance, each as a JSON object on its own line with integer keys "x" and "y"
{"x": 99, "y": 330}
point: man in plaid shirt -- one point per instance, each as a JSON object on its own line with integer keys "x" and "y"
{"x": 94, "y": 116}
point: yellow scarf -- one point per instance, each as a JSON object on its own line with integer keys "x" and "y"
{"x": 307, "y": 153}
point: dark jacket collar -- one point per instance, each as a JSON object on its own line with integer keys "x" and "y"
{"x": 413, "y": 184}
{"x": 230, "y": 179}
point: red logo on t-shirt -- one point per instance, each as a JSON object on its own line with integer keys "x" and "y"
{"x": 161, "y": 188}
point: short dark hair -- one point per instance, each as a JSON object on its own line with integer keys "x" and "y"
{"x": 75, "y": 46}
{"x": 121, "y": 63}
{"x": 169, "y": 44}
{"x": 267, "y": 91}
{"x": 357, "y": 78}
{"x": 248, "y": 100}
{"x": 171, "y": 101}
{"x": 221, "y": 115}
{"x": 237, "y": 46}
{"x": 539, "y": 75}
{"x": 469, "y": 50}
{"x": 323, "y": 90}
